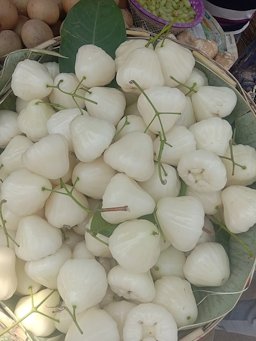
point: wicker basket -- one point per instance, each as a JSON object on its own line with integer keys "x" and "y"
{"x": 145, "y": 19}
{"x": 198, "y": 331}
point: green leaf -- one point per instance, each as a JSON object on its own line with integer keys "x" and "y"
{"x": 246, "y": 129}
{"x": 98, "y": 22}
{"x": 99, "y": 225}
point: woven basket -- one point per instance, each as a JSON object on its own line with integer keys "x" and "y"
{"x": 151, "y": 23}
{"x": 199, "y": 331}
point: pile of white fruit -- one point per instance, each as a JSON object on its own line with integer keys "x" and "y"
{"x": 157, "y": 147}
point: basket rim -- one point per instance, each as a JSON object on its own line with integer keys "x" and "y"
{"x": 198, "y": 18}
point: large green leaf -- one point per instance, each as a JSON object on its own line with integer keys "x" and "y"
{"x": 246, "y": 129}
{"x": 98, "y": 22}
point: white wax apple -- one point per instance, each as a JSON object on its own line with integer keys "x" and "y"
{"x": 119, "y": 311}
{"x": 92, "y": 178}
{"x": 49, "y": 157}
{"x": 125, "y": 48}
{"x": 196, "y": 79}
{"x": 137, "y": 287}
{"x": 207, "y": 265}
{"x": 176, "y": 295}
{"x": 187, "y": 117}
{"x": 181, "y": 220}
{"x": 32, "y": 120}
{"x": 82, "y": 283}
{"x": 179, "y": 142}
{"x": 25, "y": 284}
{"x": 157, "y": 189}
{"x": 176, "y": 61}
{"x": 35, "y": 238}
{"x": 59, "y": 123}
{"x": 110, "y": 103}
{"x": 31, "y": 80}
{"x": 67, "y": 92}
{"x": 8, "y": 277}
{"x": 169, "y": 263}
{"x": 211, "y": 201}
{"x": 131, "y": 123}
{"x": 53, "y": 68}
{"x": 38, "y": 324}
{"x": 90, "y": 137}
{"x": 203, "y": 171}
{"x": 8, "y": 126}
{"x": 11, "y": 219}
{"x": 96, "y": 324}
{"x": 98, "y": 246}
{"x": 169, "y": 103}
{"x": 208, "y": 234}
{"x": 11, "y": 157}
{"x": 213, "y": 134}
{"x": 212, "y": 101}
{"x": 143, "y": 67}
{"x": 21, "y": 104}
{"x": 123, "y": 191}
{"x": 61, "y": 210}
{"x": 23, "y": 181}
{"x": 94, "y": 66}
{"x": 133, "y": 155}
{"x": 45, "y": 270}
{"x": 141, "y": 240}
{"x": 152, "y": 321}
{"x": 239, "y": 208}
{"x": 7, "y": 240}
{"x": 243, "y": 172}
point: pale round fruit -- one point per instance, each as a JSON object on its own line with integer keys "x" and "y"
{"x": 34, "y": 32}
{"x": 21, "y": 6}
{"x": 68, "y": 4}
{"x": 21, "y": 21}
{"x": 8, "y": 15}
{"x": 47, "y": 10}
{"x": 9, "y": 41}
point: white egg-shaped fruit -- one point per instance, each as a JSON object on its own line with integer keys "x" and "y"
{"x": 196, "y": 79}
{"x": 67, "y": 92}
{"x": 177, "y": 62}
{"x": 179, "y": 141}
{"x": 20, "y": 104}
{"x": 125, "y": 193}
{"x": 164, "y": 182}
{"x": 23, "y": 181}
{"x": 141, "y": 240}
{"x": 31, "y": 80}
{"x": 239, "y": 208}
{"x": 7, "y": 238}
{"x": 176, "y": 295}
{"x": 181, "y": 220}
{"x": 211, "y": 201}
{"x": 36, "y": 238}
{"x": 212, "y": 101}
{"x": 119, "y": 311}
{"x": 137, "y": 287}
{"x": 152, "y": 321}
{"x": 59, "y": 123}
{"x": 187, "y": 117}
{"x": 133, "y": 155}
{"x": 8, "y": 277}
{"x": 213, "y": 134}
{"x": 136, "y": 72}
{"x": 207, "y": 265}
{"x": 98, "y": 246}
{"x": 169, "y": 103}
{"x": 129, "y": 124}
{"x": 203, "y": 171}
{"x": 243, "y": 172}
{"x": 64, "y": 319}
{"x": 45, "y": 270}
{"x": 208, "y": 234}
{"x": 169, "y": 263}
{"x": 125, "y": 48}
{"x": 96, "y": 324}
{"x": 49, "y": 157}
{"x": 38, "y": 324}
{"x": 11, "y": 157}
{"x": 53, "y": 68}
{"x": 92, "y": 178}
{"x": 93, "y": 66}
{"x": 110, "y": 103}
{"x": 82, "y": 283}
{"x": 62, "y": 210}
{"x": 32, "y": 120}
{"x": 11, "y": 219}
{"x": 8, "y": 126}
{"x": 90, "y": 137}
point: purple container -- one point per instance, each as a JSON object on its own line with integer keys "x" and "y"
{"x": 154, "y": 24}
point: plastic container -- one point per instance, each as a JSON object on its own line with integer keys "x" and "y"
{"x": 151, "y": 23}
